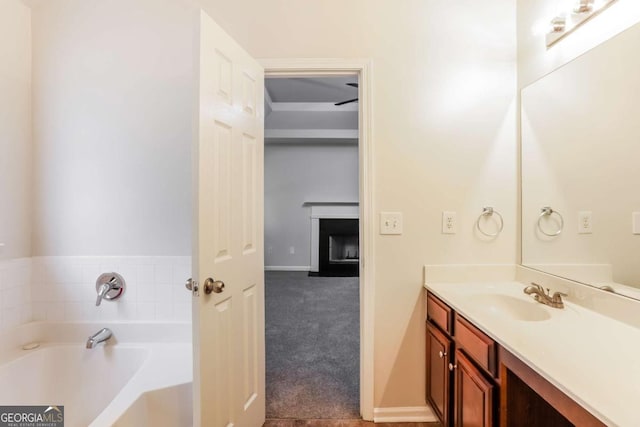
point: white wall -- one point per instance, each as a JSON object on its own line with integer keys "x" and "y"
{"x": 444, "y": 86}
{"x": 15, "y": 130}
{"x": 298, "y": 173}
{"x": 113, "y": 91}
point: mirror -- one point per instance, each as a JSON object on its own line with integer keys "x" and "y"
{"x": 581, "y": 159}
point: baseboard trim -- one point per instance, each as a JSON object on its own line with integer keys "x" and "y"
{"x": 287, "y": 268}
{"x": 404, "y": 414}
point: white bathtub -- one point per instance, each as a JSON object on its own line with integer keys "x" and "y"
{"x": 124, "y": 382}
{"x": 165, "y": 407}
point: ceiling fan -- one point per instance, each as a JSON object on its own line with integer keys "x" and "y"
{"x": 350, "y": 100}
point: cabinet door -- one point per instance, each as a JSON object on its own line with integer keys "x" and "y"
{"x": 438, "y": 373}
{"x": 474, "y": 395}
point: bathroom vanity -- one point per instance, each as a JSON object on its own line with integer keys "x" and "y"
{"x": 495, "y": 356}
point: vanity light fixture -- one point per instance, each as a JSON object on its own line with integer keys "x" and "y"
{"x": 558, "y": 24}
{"x": 568, "y": 21}
{"x": 583, "y": 6}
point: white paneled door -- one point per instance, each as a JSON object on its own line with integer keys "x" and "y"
{"x": 228, "y": 258}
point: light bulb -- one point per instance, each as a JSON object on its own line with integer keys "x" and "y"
{"x": 583, "y": 6}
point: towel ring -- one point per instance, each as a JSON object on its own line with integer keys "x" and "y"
{"x": 546, "y": 212}
{"x": 489, "y": 211}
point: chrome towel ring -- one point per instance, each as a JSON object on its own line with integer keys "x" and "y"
{"x": 547, "y": 211}
{"x": 486, "y": 212}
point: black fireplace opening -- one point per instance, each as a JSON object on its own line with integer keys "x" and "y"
{"x": 339, "y": 248}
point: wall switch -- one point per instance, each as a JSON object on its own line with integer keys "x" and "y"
{"x": 585, "y": 222}
{"x": 390, "y": 223}
{"x": 635, "y": 223}
{"x": 292, "y": 250}
{"x": 449, "y": 223}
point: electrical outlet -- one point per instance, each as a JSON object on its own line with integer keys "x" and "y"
{"x": 292, "y": 250}
{"x": 390, "y": 223}
{"x": 585, "y": 222}
{"x": 635, "y": 222}
{"x": 449, "y": 223}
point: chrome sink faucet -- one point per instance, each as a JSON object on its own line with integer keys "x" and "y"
{"x": 545, "y": 297}
{"x": 100, "y": 336}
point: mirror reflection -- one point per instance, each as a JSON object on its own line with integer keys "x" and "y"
{"x": 581, "y": 168}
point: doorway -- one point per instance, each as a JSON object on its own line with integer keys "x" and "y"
{"x": 312, "y": 247}
{"x": 312, "y": 67}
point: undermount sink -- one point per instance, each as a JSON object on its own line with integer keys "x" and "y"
{"x": 511, "y": 307}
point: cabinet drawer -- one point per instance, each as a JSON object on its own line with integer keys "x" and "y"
{"x": 476, "y": 344}
{"x": 440, "y": 313}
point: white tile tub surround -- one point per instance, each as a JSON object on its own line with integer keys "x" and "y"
{"x": 63, "y": 289}
{"x": 15, "y": 292}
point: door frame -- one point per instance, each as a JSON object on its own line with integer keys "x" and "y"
{"x": 316, "y": 67}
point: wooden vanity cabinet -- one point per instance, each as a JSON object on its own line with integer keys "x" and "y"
{"x": 471, "y": 381}
{"x": 461, "y": 387}
{"x": 439, "y": 349}
{"x": 474, "y": 400}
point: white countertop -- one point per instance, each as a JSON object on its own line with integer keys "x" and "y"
{"x": 592, "y": 358}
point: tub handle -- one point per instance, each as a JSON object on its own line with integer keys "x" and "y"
{"x": 109, "y": 286}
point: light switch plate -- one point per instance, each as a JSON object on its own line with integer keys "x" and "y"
{"x": 390, "y": 222}
{"x": 449, "y": 222}
{"x": 635, "y": 223}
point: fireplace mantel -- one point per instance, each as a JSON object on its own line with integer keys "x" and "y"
{"x": 327, "y": 209}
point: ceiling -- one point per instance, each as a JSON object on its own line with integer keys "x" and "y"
{"x": 324, "y": 89}
{"x": 302, "y": 110}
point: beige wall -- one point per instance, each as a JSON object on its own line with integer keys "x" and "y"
{"x": 444, "y": 138}
{"x": 15, "y": 130}
{"x": 113, "y": 125}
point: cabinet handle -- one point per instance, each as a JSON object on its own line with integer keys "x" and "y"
{"x": 452, "y": 366}
{"x": 441, "y": 354}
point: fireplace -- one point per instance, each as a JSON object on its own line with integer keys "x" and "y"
{"x": 338, "y": 247}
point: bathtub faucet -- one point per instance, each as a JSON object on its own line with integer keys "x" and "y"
{"x": 100, "y": 336}
{"x": 113, "y": 284}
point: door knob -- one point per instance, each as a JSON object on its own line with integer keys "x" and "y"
{"x": 452, "y": 366}
{"x": 192, "y": 286}
{"x": 215, "y": 286}
{"x": 442, "y": 354}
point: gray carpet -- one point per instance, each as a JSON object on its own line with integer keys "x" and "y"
{"x": 312, "y": 345}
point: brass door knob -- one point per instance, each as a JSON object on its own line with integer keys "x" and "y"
{"x": 215, "y": 286}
